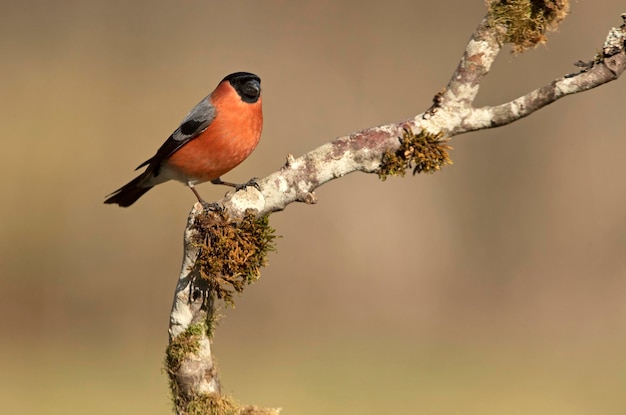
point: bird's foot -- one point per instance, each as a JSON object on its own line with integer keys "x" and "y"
{"x": 250, "y": 183}
{"x": 209, "y": 207}
{"x": 212, "y": 207}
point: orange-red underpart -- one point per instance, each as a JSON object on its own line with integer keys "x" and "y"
{"x": 229, "y": 140}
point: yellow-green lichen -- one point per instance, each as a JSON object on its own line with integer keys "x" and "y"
{"x": 424, "y": 153}
{"x": 186, "y": 343}
{"x": 232, "y": 252}
{"x": 181, "y": 346}
{"x": 523, "y": 23}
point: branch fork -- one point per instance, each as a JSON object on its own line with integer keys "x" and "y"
{"x": 193, "y": 377}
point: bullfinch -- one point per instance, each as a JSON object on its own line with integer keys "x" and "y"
{"x": 216, "y": 136}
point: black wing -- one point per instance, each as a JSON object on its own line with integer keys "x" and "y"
{"x": 193, "y": 125}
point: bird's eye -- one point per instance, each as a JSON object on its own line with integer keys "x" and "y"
{"x": 251, "y": 90}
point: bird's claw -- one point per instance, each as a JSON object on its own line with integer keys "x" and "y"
{"x": 252, "y": 182}
{"x": 212, "y": 207}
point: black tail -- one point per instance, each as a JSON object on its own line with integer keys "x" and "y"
{"x": 129, "y": 193}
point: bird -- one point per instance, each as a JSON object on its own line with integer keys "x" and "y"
{"x": 219, "y": 133}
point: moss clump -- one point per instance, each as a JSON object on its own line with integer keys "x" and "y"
{"x": 424, "y": 153}
{"x": 212, "y": 404}
{"x": 232, "y": 252}
{"x": 254, "y": 410}
{"x": 523, "y": 23}
{"x": 215, "y": 404}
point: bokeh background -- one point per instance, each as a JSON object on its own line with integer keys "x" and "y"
{"x": 497, "y": 285}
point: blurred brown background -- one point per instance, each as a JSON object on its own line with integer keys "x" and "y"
{"x": 495, "y": 286}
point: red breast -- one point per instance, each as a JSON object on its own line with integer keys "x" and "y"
{"x": 228, "y": 140}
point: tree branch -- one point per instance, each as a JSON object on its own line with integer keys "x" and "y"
{"x": 607, "y": 69}
{"x": 189, "y": 361}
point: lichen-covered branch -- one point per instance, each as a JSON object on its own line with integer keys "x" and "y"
{"x": 224, "y": 250}
{"x": 607, "y": 66}
{"x": 221, "y": 257}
